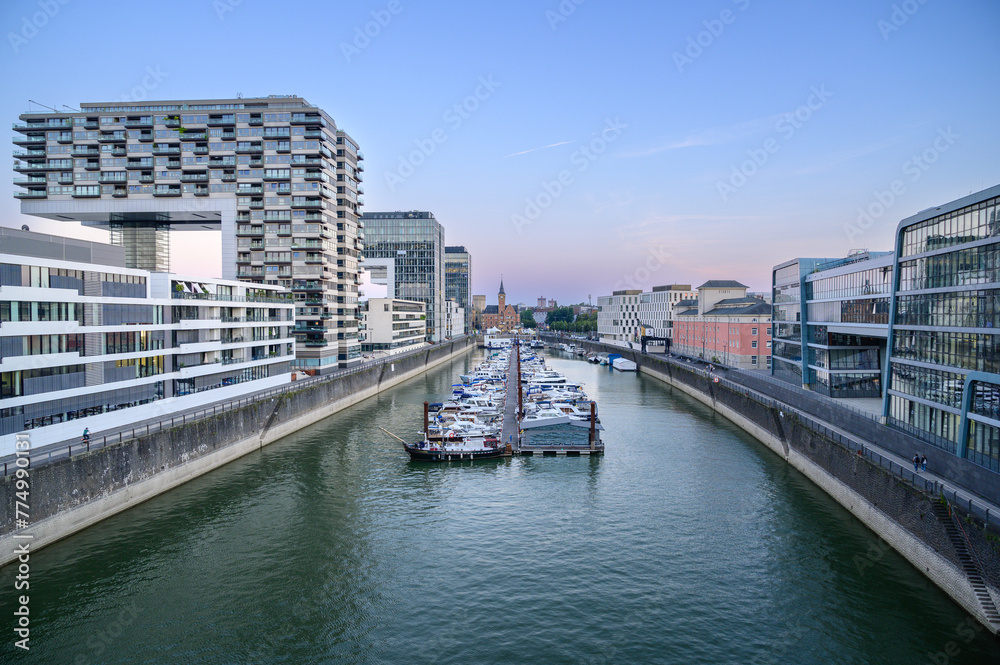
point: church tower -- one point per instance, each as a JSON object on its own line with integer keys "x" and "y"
{"x": 501, "y": 299}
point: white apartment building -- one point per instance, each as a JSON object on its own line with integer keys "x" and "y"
{"x": 275, "y": 174}
{"x": 88, "y": 343}
{"x": 454, "y": 317}
{"x": 391, "y": 324}
{"x": 623, "y": 316}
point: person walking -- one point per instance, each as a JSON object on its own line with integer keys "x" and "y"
{"x": 916, "y": 462}
{"x": 923, "y": 462}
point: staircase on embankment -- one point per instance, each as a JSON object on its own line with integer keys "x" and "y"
{"x": 970, "y": 566}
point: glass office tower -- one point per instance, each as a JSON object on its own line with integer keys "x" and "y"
{"x": 944, "y": 373}
{"x": 405, "y": 250}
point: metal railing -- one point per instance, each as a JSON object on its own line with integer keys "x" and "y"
{"x": 928, "y": 486}
{"x": 56, "y": 452}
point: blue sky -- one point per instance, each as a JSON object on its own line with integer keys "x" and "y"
{"x": 576, "y": 147}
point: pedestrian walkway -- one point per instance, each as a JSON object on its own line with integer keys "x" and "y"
{"x": 954, "y": 492}
{"x": 510, "y": 434}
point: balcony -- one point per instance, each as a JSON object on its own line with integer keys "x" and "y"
{"x": 167, "y": 191}
{"x": 249, "y": 147}
{"x": 307, "y": 119}
{"x": 85, "y": 151}
{"x": 110, "y": 177}
{"x": 32, "y": 139}
{"x": 221, "y": 120}
{"x": 255, "y": 120}
{"x": 166, "y": 149}
{"x": 145, "y": 137}
{"x": 112, "y": 137}
{"x": 194, "y": 135}
{"x": 187, "y": 176}
{"x": 144, "y": 121}
{"x": 43, "y": 126}
{"x": 30, "y": 154}
{"x": 31, "y": 194}
{"x": 246, "y": 191}
{"x": 139, "y": 164}
{"x": 299, "y": 202}
{"x": 64, "y": 137}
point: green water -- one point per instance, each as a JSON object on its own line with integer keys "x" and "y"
{"x": 688, "y": 542}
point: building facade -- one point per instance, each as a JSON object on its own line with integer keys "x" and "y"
{"x": 501, "y": 316}
{"x": 458, "y": 280}
{"x": 831, "y": 321}
{"x": 724, "y": 325}
{"x": 943, "y": 378}
{"x": 478, "y": 307}
{"x": 391, "y": 324}
{"x": 275, "y": 174}
{"x": 626, "y": 315}
{"x": 87, "y": 342}
{"x": 405, "y": 251}
{"x": 454, "y": 316}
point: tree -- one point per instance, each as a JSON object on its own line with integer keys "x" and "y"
{"x": 527, "y": 320}
{"x": 560, "y": 314}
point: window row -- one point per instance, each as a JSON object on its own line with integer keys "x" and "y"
{"x": 967, "y": 351}
{"x": 980, "y": 220}
{"x": 959, "y": 309}
{"x": 930, "y": 384}
{"x": 937, "y": 427}
{"x": 862, "y": 283}
{"x": 978, "y": 265}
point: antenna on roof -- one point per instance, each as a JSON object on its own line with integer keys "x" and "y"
{"x": 32, "y": 101}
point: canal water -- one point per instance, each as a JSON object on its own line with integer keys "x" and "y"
{"x": 687, "y": 543}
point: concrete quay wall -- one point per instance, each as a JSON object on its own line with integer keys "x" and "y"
{"x": 899, "y": 513}
{"x": 71, "y": 494}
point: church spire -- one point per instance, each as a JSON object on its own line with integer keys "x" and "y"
{"x": 502, "y": 292}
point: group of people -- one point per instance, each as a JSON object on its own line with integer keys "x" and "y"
{"x": 919, "y": 462}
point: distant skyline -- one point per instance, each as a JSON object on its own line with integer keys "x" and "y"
{"x": 575, "y": 146}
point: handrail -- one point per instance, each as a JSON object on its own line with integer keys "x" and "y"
{"x": 58, "y": 452}
{"x": 965, "y": 536}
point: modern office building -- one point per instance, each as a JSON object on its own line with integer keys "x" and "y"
{"x": 454, "y": 317}
{"x": 405, "y": 251}
{"x": 831, "y": 322}
{"x": 625, "y": 315}
{"x": 478, "y": 307}
{"x": 724, "y": 325}
{"x": 943, "y": 379}
{"x": 390, "y": 324}
{"x": 458, "y": 280}
{"x": 275, "y": 174}
{"x": 87, "y": 342}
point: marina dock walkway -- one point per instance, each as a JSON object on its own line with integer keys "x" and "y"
{"x": 510, "y": 434}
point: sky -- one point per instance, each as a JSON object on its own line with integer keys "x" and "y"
{"x": 574, "y": 147}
